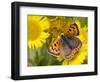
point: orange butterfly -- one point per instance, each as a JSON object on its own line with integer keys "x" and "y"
{"x": 66, "y": 45}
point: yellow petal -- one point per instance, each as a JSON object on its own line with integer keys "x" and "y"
{"x": 44, "y": 23}
{"x": 37, "y": 18}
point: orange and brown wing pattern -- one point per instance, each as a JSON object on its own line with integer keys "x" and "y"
{"x": 54, "y": 48}
{"x": 70, "y": 46}
{"x": 72, "y": 30}
{"x": 73, "y": 52}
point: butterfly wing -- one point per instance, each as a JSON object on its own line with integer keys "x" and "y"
{"x": 72, "y": 30}
{"x": 75, "y": 48}
{"x": 70, "y": 47}
{"x": 59, "y": 47}
{"x": 54, "y": 48}
{"x": 73, "y": 42}
{"x": 65, "y": 48}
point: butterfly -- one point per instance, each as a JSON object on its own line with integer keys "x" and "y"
{"x": 67, "y": 44}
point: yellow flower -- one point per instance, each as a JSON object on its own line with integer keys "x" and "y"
{"x": 57, "y": 26}
{"x": 83, "y": 53}
{"x": 37, "y": 27}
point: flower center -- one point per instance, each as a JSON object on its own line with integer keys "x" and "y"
{"x": 33, "y": 29}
